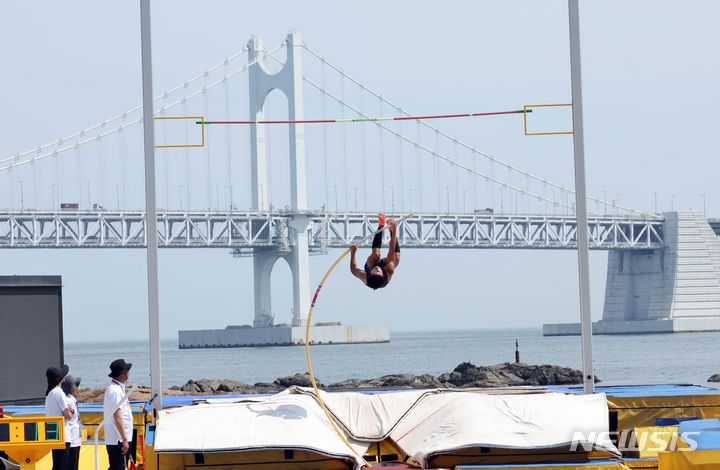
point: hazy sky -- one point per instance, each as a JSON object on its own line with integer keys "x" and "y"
{"x": 650, "y": 77}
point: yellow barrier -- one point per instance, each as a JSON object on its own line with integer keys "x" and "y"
{"x": 646, "y": 441}
{"x": 633, "y": 412}
{"x": 689, "y": 460}
{"x": 28, "y": 439}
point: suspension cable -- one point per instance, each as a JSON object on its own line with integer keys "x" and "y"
{"x": 244, "y": 68}
{"x": 382, "y": 162}
{"x": 122, "y": 115}
{"x": 123, "y": 153}
{"x": 57, "y": 176}
{"x": 474, "y": 150}
{"x": 324, "y": 136}
{"x": 402, "y": 184}
{"x": 437, "y": 170}
{"x": 79, "y": 174}
{"x": 344, "y": 134}
{"x": 419, "y": 165}
{"x": 430, "y": 151}
{"x": 207, "y": 157}
{"x": 187, "y": 164}
{"x": 229, "y": 153}
{"x": 437, "y": 131}
{"x": 101, "y": 159}
{"x": 364, "y": 158}
{"x": 453, "y": 162}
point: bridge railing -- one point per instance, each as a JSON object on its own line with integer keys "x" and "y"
{"x": 246, "y": 231}
{"x": 126, "y": 229}
{"x": 494, "y": 231}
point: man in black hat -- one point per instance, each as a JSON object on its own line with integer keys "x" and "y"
{"x": 118, "y": 418}
{"x": 56, "y": 404}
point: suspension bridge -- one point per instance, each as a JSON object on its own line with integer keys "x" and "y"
{"x": 299, "y": 188}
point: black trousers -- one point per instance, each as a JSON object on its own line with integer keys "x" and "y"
{"x": 118, "y": 460}
{"x": 60, "y": 457}
{"x": 73, "y": 459}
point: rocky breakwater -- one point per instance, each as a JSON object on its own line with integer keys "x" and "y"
{"x": 465, "y": 375}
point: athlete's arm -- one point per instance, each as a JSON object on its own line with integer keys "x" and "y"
{"x": 358, "y": 273}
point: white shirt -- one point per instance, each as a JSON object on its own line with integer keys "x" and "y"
{"x": 72, "y": 426}
{"x": 114, "y": 393}
{"x": 55, "y": 403}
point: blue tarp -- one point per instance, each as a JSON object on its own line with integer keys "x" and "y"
{"x": 705, "y": 432}
{"x": 150, "y": 435}
{"x": 653, "y": 390}
{"x": 672, "y": 421}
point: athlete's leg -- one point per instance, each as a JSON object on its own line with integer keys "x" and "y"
{"x": 374, "y": 257}
{"x": 395, "y": 258}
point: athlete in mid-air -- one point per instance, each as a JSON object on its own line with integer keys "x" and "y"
{"x": 378, "y": 271}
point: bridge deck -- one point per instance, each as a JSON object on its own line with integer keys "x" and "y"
{"x": 249, "y": 230}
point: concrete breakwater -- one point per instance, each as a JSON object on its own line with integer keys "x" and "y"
{"x": 465, "y": 375}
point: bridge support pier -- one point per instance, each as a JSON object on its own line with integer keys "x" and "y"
{"x": 262, "y": 270}
{"x": 662, "y": 291}
{"x": 299, "y": 261}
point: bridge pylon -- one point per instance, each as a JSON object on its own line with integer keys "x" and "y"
{"x": 261, "y": 83}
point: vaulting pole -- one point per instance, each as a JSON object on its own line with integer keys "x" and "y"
{"x": 580, "y": 199}
{"x": 150, "y": 207}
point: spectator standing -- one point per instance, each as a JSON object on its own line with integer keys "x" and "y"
{"x": 118, "y": 420}
{"x": 72, "y": 427}
{"x": 56, "y": 404}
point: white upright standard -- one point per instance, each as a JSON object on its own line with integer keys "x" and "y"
{"x": 580, "y": 200}
{"x": 150, "y": 207}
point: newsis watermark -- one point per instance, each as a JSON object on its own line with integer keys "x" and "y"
{"x": 651, "y": 440}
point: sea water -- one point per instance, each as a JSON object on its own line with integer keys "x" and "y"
{"x": 676, "y": 357}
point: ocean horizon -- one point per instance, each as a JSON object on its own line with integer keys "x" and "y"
{"x": 646, "y": 358}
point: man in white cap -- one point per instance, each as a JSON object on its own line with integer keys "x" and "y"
{"x": 56, "y": 404}
{"x": 118, "y": 421}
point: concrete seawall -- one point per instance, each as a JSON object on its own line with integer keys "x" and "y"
{"x": 283, "y": 336}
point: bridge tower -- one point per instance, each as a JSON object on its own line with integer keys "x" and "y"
{"x": 662, "y": 290}
{"x": 261, "y": 83}
{"x": 673, "y": 289}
